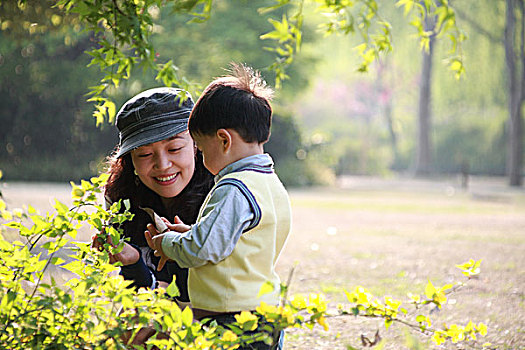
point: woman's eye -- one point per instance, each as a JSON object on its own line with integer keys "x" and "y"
{"x": 144, "y": 155}
{"x": 175, "y": 149}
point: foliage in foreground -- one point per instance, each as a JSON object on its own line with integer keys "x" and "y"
{"x": 95, "y": 309}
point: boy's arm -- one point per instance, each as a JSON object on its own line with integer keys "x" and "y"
{"x": 154, "y": 238}
{"x": 230, "y": 211}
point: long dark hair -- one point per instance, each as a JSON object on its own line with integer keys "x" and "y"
{"x": 124, "y": 184}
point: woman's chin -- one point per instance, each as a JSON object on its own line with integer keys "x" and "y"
{"x": 169, "y": 190}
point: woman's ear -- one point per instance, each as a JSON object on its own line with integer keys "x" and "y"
{"x": 225, "y": 138}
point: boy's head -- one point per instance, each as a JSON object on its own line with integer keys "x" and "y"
{"x": 240, "y": 101}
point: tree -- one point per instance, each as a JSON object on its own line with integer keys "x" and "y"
{"x": 43, "y": 84}
{"x": 122, "y": 32}
{"x": 54, "y": 133}
{"x": 513, "y": 42}
{"x": 423, "y": 164}
{"x": 122, "y": 41}
{"x": 515, "y": 60}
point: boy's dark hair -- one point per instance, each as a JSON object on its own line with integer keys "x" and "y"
{"x": 240, "y": 101}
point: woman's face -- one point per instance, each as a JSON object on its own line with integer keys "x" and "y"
{"x": 166, "y": 166}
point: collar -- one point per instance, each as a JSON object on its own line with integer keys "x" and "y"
{"x": 259, "y": 161}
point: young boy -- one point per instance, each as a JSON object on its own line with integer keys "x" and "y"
{"x": 244, "y": 222}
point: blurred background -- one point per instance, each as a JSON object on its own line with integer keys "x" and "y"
{"x": 329, "y": 119}
{"x": 419, "y": 157}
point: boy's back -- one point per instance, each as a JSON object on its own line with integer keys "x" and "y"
{"x": 233, "y": 284}
{"x": 244, "y": 222}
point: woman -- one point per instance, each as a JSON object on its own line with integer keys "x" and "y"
{"x": 156, "y": 165}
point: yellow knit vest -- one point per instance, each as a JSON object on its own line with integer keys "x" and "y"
{"x": 233, "y": 284}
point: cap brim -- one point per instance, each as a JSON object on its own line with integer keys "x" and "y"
{"x": 150, "y": 135}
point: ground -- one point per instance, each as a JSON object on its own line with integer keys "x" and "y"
{"x": 392, "y": 237}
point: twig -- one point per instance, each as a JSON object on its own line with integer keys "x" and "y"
{"x": 493, "y": 38}
{"x": 287, "y": 285}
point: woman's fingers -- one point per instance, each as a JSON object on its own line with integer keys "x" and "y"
{"x": 152, "y": 230}
{"x": 127, "y": 256}
{"x": 155, "y": 243}
{"x": 97, "y": 241}
{"x": 149, "y": 239}
{"x": 162, "y": 262}
{"x": 142, "y": 335}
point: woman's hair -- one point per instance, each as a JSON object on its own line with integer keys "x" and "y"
{"x": 124, "y": 184}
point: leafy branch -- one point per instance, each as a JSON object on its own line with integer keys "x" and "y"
{"x": 443, "y": 16}
{"x": 96, "y": 309}
{"x": 121, "y": 31}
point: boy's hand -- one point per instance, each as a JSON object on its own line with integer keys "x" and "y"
{"x": 177, "y": 226}
{"x": 155, "y": 242}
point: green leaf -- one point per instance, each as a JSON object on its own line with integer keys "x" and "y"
{"x": 355, "y": 311}
{"x": 266, "y": 288}
{"x": 111, "y": 110}
{"x": 173, "y": 290}
{"x": 5, "y": 245}
{"x": 388, "y": 323}
{"x": 57, "y": 261}
{"x": 187, "y": 317}
{"x": 60, "y": 207}
{"x": 430, "y": 290}
{"x": 115, "y": 235}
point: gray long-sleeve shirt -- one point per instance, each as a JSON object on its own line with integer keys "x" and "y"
{"x": 229, "y": 212}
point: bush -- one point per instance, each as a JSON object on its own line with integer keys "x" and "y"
{"x": 96, "y": 310}
{"x": 475, "y": 144}
{"x": 284, "y": 146}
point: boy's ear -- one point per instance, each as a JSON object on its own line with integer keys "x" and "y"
{"x": 225, "y": 138}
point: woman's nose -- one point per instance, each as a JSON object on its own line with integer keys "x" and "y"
{"x": 162, "y": 161}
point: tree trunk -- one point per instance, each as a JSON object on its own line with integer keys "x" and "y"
{"x": 423, "y": 163}
{"x": 384, "y": 96}
{"x": 515, "y": 69}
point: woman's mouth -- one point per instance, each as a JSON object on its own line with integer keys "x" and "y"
{"x": 166, "y": 179}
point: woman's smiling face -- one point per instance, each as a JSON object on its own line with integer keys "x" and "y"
{"x": 166, "y": 167}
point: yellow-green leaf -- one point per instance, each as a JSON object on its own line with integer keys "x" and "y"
{"x": 266, "y": 288}
{"x": 430, "y": 290}
{"x": 173, "y": 290}
{"x": 187, "y": 317}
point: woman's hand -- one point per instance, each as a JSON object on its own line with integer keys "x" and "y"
{"x": 140, "y": 338}
{"x": 154, "y": 240}
{"x": 127, "y": 256}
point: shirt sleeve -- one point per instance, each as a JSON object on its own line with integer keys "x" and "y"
{"x": 229, "y": 212}
{"x": 139, "y": 273}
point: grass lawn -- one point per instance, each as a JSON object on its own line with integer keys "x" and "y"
{"x": 392, "y": 238}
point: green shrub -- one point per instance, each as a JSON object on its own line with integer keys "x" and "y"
{"x": 95, "y": 309}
